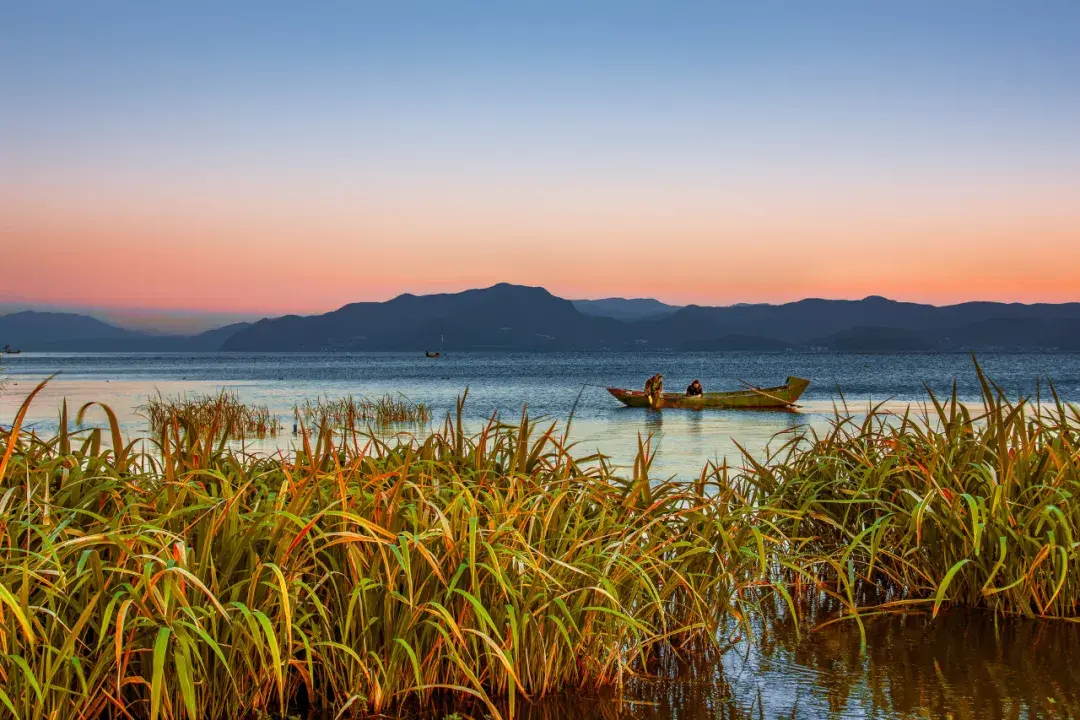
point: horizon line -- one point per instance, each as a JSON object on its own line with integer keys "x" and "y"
{"x": 22, "y": 304}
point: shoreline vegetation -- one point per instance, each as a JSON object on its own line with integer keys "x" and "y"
{"x": 224, "y": 415}
{"x": 358, "y": 575}
{"x": 350, "y": 415}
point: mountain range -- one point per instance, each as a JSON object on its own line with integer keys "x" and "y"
{"x": 74, "y": 332}
{"x": 514, "y": 317}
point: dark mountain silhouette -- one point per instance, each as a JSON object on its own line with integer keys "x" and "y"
{"x": 520, "y": 318}
{"x": 502, "y": 317}
{"x": 798, "y": 322}
{"x": 999, "y": 333}
{"x": 512, "y": 317}
{"x": 1017, "y": 333}
{"x": 624, "y": 309}
{"x": 876, "y": 339}
{"x": 741, "y": 343}
{"x": 54, "y": 331}
{"x": 28, "y": 328}
{"x": 212, "y": 340}
{"x": 874, "y": 324}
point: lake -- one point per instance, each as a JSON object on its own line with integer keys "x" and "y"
{"x": 964, "y": 665}
{"x": 547, "y": 385}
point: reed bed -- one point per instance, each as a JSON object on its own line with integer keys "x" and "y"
{"x": 224, "y": 413}
{"x": 977, "y": 508}
{"x": 197, "y": 581}
{"x": 353, "y": 414}
{"x": 182, "y": 578}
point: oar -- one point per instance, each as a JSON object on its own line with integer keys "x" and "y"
{"x": 759, "y": 391}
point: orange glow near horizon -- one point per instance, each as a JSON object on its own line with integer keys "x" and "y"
{"x": 272, "y": 256}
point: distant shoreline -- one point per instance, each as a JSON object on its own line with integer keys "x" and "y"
{"x": 512, "y": 318}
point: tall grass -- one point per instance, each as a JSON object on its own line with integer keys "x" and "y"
{"x": 351, "y": 414}
{"x": 977, "y": 508}
{"x": 224, "y": 413}
{"x": 194, "y": 581}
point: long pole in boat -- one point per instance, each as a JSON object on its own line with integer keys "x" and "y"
{"x": 759, "y": 391}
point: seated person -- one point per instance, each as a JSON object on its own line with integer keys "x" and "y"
{"x": 694, "y": 389}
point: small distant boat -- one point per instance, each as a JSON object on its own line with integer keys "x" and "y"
{"x": 437, "y": 353}
{"x": 752, "y": 398}
{"x": 8, "y": 351}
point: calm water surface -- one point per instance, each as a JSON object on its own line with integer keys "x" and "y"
{"x": 963, "y": 665}
{"x": 546, "y": 384}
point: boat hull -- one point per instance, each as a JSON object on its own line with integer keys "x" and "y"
{"x": 782, "y": 396}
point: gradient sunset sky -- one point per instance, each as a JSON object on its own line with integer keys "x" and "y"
{"x": 265, "y": 157}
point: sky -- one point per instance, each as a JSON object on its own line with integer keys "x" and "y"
{"x": 265, "y": 157}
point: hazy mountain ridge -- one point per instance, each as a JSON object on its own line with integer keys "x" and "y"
{"x": 518, "y": 318}
{"x": 54, "y": 331}
{"x": 624, "y": 308}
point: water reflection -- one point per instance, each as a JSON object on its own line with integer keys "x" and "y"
{"x": 964, "y": 665}
{"x": 653, "y": 423}
{"x": 695, "y": 424}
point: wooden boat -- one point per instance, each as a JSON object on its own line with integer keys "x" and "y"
{"x": 432, "y": 354}
{"x": 752, "y": 398}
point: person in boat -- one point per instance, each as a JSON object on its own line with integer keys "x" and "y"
{"x": 654, "y": 390}
{"x": 694, "y": 389}
{"x": 652, "y": 382}
{"x": 657, "y": 399}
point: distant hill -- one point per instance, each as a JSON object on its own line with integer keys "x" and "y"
{"x": 502, "y": 317}
{"x": 1018, "y": 333}
{"x": 1008, "y": 334}
{"x": 740, "y": 343}
{"x": 516, "y": 318}
{"x": 876, "y": 339}
{"x": 150, "y": 321}
{"x": 624, "y": 309}
{"x": 53, "y": 331}
{"x": 510, "y": 317}
{"x": 212, "y": 340}
{"x": 873, "y": 324}
{"x": 27, "y": 329}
